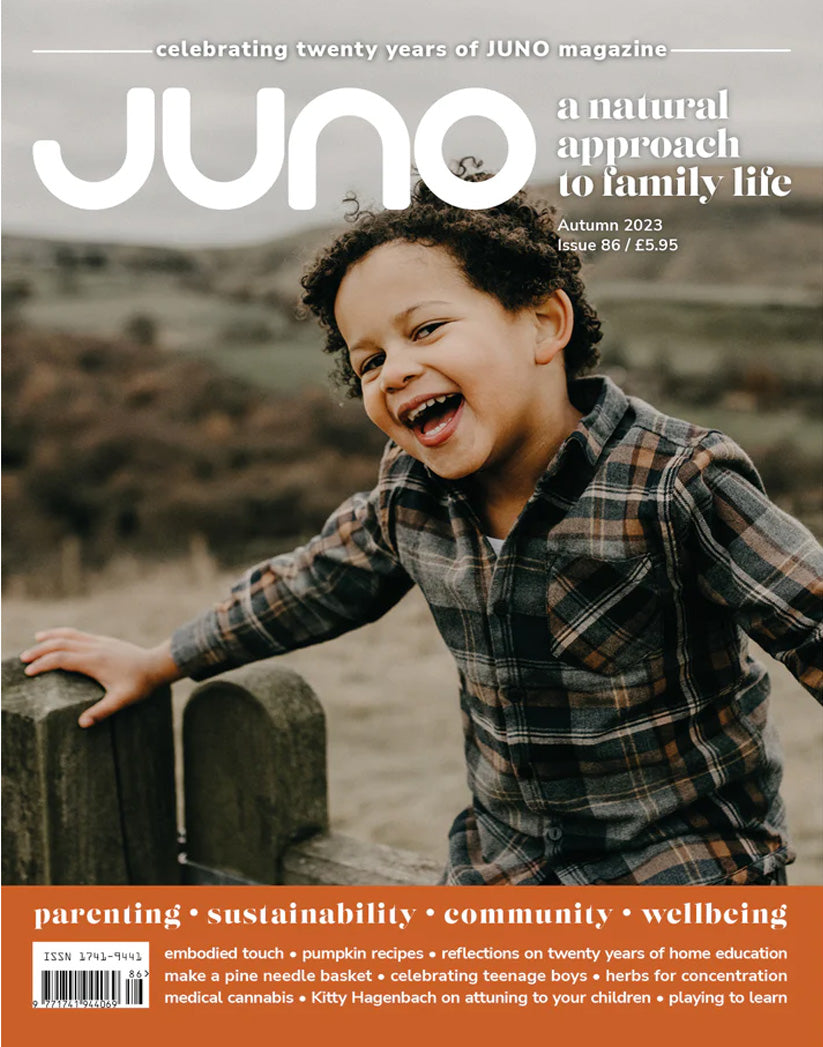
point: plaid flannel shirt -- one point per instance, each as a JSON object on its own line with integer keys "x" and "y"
{"x": 616, "y": 730}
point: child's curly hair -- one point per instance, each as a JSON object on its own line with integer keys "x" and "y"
{"x": 509, "y": 251}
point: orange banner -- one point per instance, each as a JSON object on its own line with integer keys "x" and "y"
{"x": 137, "y": 964}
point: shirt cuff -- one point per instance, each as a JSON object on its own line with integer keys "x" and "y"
{"x": 198, "y": 650}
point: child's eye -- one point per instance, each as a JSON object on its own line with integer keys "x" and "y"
{"x": 426, "y": 329}
{"x": 371, "y": 363}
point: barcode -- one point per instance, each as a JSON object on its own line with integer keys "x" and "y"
{"x": 90, "y": 986}
{"x": 91, "y": 974}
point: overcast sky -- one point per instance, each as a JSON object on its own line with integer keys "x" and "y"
{"x": 79, "y": 99}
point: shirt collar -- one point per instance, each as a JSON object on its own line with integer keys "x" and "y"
{"x": 603, "y": 405}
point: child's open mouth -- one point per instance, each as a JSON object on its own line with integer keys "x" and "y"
{"x": 434, "y": 420}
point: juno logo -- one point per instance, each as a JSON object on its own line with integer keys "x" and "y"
{"x": 302, "y": 151}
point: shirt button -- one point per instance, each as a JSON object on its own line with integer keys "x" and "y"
{"x": 499, "y": 607}
{"x": 554, "y": 833}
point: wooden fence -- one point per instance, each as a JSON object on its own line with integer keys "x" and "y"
{"x": 99, "y": 806}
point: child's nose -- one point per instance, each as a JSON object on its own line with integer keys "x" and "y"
{"x": 399, "y": 368}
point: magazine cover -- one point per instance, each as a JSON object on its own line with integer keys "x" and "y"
{"x": 288, "y": 709}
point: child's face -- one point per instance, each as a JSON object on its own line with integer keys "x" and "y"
{"x": 446, "y": 371}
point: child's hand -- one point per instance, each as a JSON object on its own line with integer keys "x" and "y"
{"x": 127, "y": 672}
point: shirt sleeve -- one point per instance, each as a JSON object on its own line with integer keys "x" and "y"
{"x": 345, "y": 577}
{"x": 753, "y": 558}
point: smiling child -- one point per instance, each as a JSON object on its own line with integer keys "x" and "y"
{"x": 591, "y": 563}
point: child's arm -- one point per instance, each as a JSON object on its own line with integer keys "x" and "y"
{"x": 346, "y": 576}
{"x": 754, "y": 558}
{"x": 127, "y": 672}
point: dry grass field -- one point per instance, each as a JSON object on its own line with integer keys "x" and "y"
{"x": 389, "y": 691}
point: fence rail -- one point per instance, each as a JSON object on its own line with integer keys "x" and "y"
{"x": 98, "y": 806}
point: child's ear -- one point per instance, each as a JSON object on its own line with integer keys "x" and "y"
{"x": 555, "y": 323}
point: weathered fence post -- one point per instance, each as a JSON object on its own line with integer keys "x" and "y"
{"x": 94, "y": 806}
{"x": 254, "y": 752}
{"x": 97, "y": 806}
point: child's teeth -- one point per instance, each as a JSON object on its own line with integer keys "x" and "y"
{"x": 422, "y": 407}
